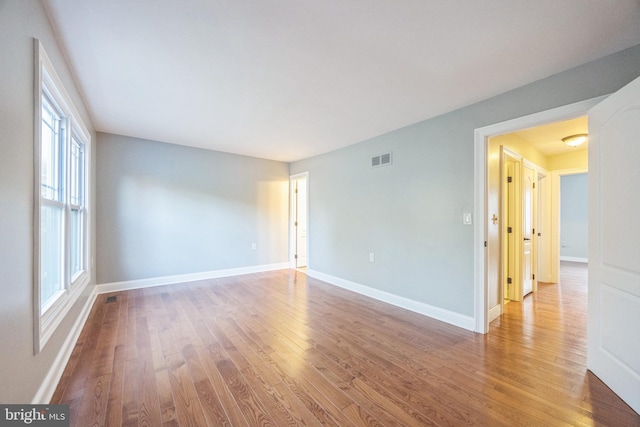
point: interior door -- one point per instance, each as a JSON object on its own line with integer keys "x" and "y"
{"x": 510, "y": 225}
{"x": 529, "y": 175}
{"x": 543, "y": 230}
{"x": 301, "y": 222}
{"x": 614, "y": 243}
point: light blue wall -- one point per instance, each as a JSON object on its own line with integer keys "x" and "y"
{"x": 410, "y": 214}
{"x": 574, "y": 226}
{"x": 166, "y": 209}
{"x": 22, "y": 372}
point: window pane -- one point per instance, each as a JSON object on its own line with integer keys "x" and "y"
{"x": 50, "y": 156}
{"x": 51, "y": 253}
{"x": 77, "y": 228}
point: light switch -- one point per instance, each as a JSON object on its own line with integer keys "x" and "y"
{"x": 467, "y": 218}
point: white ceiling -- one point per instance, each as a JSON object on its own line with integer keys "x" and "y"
{"x": 289, "y": 79}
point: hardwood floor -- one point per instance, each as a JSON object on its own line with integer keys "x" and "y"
{"x": 279, "y": 349}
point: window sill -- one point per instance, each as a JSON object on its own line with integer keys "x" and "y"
{"x": 52, "y": 318}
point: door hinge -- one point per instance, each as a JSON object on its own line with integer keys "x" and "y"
{"x": 509, "y": 179}
{"x": 534, "y": 231}
{"x": 295, "y": 256}
{"x": 295, "y": 224}
{"x": 485, "y": 243}
{"x": 509, "y": 230}
{"x": 509, "y": 281}
{"x": 534, "y": 185}
{"x": 533, "y": 277}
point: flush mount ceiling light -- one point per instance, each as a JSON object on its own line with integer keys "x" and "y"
{"x": 575, "y": 140}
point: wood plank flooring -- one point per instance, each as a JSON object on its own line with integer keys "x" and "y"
{"x": 282, "y": 349}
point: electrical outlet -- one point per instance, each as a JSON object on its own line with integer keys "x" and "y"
{"x": 254, "y": 246}
{"x": 372, "y": 257}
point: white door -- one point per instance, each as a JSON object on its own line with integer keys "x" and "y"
{"x": 614, "y": 243}
{"x": 529, "y": 176}
{"x": 544, "y": 252}
{"x": 301, "y": 222}
{"x": 510, "y": 225}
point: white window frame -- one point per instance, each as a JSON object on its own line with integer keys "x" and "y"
{"x": 48, "y": 317}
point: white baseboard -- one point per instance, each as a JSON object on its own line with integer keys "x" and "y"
{"x": 50, "y": 382}
{"x": 453, "y": 318}
{"x": 574, "y": 259}
{"x": 190, "y": 277}
{"x": 495, "y": 312}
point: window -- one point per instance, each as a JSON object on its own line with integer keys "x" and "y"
{"x": 61, "y": 238}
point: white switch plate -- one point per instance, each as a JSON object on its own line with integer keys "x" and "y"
{"x": 254, "y": 246}
{"x": 467, "y": 218}
{"x": 372, "y": 257}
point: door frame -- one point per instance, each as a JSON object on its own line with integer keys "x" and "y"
{"x": 481, "y": 138}
{"x": 292, "y": 216}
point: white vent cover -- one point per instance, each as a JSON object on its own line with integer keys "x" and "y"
{"x": 381, "y": 160}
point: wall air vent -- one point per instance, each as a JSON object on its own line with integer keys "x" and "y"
{"x": 381, "y": 160}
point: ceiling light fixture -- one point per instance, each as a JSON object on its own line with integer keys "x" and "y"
{"x": 575, "y": 140}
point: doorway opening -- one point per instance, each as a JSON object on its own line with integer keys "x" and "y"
{"x": 574, "y": 242}
{"x": 299, "y": 242}
{"x": 543, "y": 253}
{"x": 528, "y": 199}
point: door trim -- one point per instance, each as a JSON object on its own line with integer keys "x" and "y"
{"x": 481, "y": 137}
